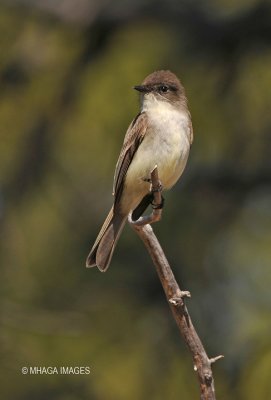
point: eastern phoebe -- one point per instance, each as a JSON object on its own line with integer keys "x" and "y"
{"x": 161, "y": 134}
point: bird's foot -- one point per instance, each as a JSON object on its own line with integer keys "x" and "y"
{"x": 158, "y": 187}
{"x": 157, "y": 201}
{"x": 158, "y": 206}
{"x": 154, "y": 189}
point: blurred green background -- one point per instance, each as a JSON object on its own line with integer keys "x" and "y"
{"x": 66, "y": 74}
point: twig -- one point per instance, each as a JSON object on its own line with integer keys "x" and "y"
{"x": 175, "y": 297}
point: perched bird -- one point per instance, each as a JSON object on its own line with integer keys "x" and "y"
{"x": 161, "y": 134}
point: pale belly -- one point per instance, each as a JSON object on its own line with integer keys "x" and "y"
{"x": 168, "y": 151}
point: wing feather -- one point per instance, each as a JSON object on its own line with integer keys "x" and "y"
{"x": 134, "y": 136}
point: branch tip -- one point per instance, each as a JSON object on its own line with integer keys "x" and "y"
{"x": 214, "y": 359}
{"x": 185, "y": 293}
{"x": 178, "y": 300}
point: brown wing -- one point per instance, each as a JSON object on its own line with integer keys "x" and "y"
{"x": 134, "y": 136}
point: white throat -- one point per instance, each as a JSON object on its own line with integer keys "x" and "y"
{"x": 164, "y": 114}
{"x": 150, "y": 102}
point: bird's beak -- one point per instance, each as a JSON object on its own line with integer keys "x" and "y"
{"x": 142, "y": 88}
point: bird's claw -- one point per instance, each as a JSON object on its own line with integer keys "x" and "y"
{"x": 158, "y": 206}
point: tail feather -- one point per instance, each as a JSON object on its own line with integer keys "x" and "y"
{"x": 102, "y": 250}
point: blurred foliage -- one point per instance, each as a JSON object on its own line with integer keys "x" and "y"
{"x": 66, "y": 99}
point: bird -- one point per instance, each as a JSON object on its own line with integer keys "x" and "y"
{"x": 160, "y": 135}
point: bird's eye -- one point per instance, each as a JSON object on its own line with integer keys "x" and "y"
{"x": 163, "y": 88}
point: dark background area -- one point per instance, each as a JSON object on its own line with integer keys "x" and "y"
{"x": 67, "y": 69}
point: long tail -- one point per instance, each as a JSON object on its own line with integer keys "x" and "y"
{"x": 103, "y": 248}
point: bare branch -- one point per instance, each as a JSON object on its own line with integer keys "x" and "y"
{"x": 175, "y": 297}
